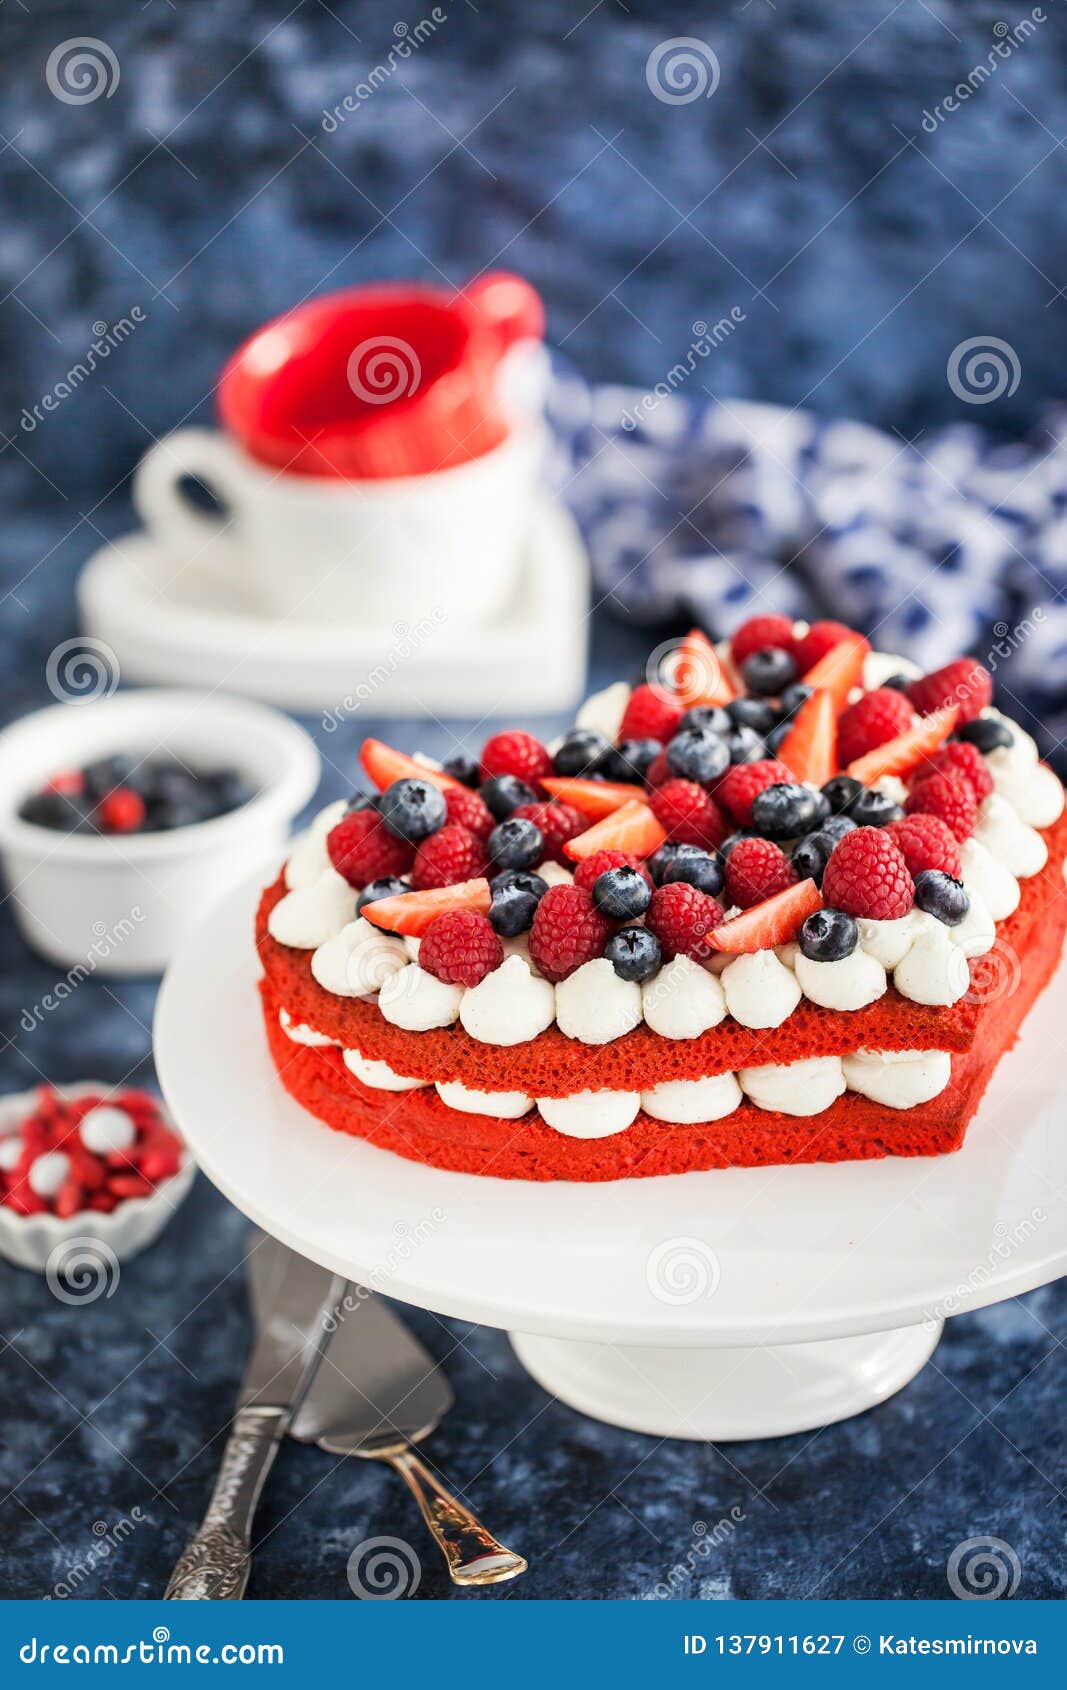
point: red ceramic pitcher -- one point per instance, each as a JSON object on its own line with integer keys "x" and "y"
{"x": 378, "y": 381}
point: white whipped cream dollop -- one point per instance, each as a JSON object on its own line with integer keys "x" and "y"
{"x": 378, "y": 1075}
{"x": 891, "y": 787}
{"x": 504, "y": 1105}
{"x": 900, "y": 1079}
{"x": 1020, "y": 848}
{"x": 357, "y": 961}
{"x": 301, "y": 1033}
{"x": 977, "y": 932}
{"x": 510, "y": 1006}
{"x": 760, "y": 990}
{"x": 1022, "y": 750}
{"x": 591, "y": 1114}
{"x": 603, "y": 711}
{"x": 554, "y": 874}
{"x": 106, "y": 1129}
{"x": 880, "y": 667}
{"x": 985, "y": 877}
{"x": 311, "y": 914}
{"x": 308, "y": 856}
{"x": 795, "y": 1088}
{"x": 690, "y": 1102}
{"x": 852, "y": 982}
{"x": 594, "y": 1006}
{"x": 888, "y": 941}
{"x": 1033, "y": 791}
{"x": 683, "y": 1000}
{"x": 417, "y": 1001}
{"x": 934, "y": 971}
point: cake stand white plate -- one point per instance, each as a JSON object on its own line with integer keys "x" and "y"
{"x": 190, "y": 626}
{"x": 733, "y": 1304}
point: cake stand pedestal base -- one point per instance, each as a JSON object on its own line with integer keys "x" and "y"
{"x": 722, "y": 1395}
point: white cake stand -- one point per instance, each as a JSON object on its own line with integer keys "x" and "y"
{"x": 739, "y": 1304}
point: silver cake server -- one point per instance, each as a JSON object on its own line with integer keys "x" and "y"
{"x": 294, "y": 1319}
{"x": 376, "y": 1393}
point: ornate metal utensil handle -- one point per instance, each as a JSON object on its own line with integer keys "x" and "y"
{"x": 215, "y": 1565}
{"x": 473, "y": 1555}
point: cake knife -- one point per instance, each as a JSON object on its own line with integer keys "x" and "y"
{"x": 376, "y": 1394}
{"x": 293, "y": 1324}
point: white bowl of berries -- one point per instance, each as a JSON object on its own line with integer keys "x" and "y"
{"x": 89, "y": 1176}
{"x": 122, "y": 819}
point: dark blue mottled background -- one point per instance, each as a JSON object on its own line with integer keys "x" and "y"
{"x": 862, "y": 249}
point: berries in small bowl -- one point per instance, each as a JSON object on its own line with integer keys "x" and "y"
{"x": 88, "y": 1177}
{"x": 123, "y": 794}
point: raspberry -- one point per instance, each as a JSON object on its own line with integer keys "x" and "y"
{"x": 590, "y": 871}
{"x": 122, "y": 811}
{"x": 966, "y": 761}
{"x": 558, "y": 823}
{"x": 756, "y": 869}
{"x": 460, "y": 948}
{"x": 516, "y": 753}
{"x": 820, "y": 638}
{"x": 467, "y": 809}
{"x": 447, "y": 858}
{"x": 688, "y": 814}
{"x": 362, "y": 849}
{"x": 758, "y": 633}
{"x": 950, "y": 798}
{"x": 873, "y": 720}
{"x": 926, "y": 842}
{"x": 650, "y": 714}
{"x": 567, "y": 931}
{"x": 681, "y": 917}
{"x": 867, "y": 876}
{"x": 659, "y": 771}
{"x": 745, "y": 781}
{"x": 963, "y": 682}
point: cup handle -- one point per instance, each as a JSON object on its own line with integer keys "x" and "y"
{"x": 168, "y": 515}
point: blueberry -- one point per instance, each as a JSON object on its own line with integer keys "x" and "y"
{"x": 520, "y": 877}
{"x": 828, "y": 936}
{"x": 621, "y": 893}
{"x": 792, "y": 698}
{"x": 634, "y": 953}
{"x": 412, "y": 809}
{"x": 666, "y": 855}
{"x": 874, "y": 809}
{"x": 579, "y": 752}
{"x": 768, "y": 672}
{"x": 699, "y": 870}
{"x": 228, "y": 790}
{"x": 837, "y": 827}
{"x": 463, "y": 768}
{"x": 698, "y": 754}
{"x": 629, "y": 761}
{"x": 733, "y": 839}
{"x": 811, "y": 855}
{"x": 512, "y": 910}
{"x": 940, "y": 895}
{"x": 516, "y": 843}
{"x": 504, "y": 793}
{"x": 786, "y": 811}
{"x": 102, "y": 776}
{"x": 62, "y": 812}
{"x": 387, "y": 887}
{"x": 753, "y": 713}
{"x": 745, "y": 745}
{"x": 707, "y": 716}
{"x": 840, "y": 792}
{"x": 987, "y": 733}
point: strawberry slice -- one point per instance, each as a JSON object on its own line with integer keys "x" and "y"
{"x": 700, "y": 675}
{"x": 412, "y": 912}
{"x": 840, "y": 669}
{"x": 765, "y": 925}
{"x": 633, "y": 828}
{"x": 384, "y": 765}
{"x": 810, "y": 746}
{"x": 899, "y": 755}
{"x": 595, "y": 798}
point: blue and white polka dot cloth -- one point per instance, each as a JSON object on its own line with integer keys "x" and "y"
{"x": 712, "y": 511}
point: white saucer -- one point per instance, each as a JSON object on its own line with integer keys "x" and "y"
{"x": 685, "y": 1306}
{"x": 187, "y": 625}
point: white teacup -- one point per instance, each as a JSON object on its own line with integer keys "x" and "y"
{"x": 319, "y": 549}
